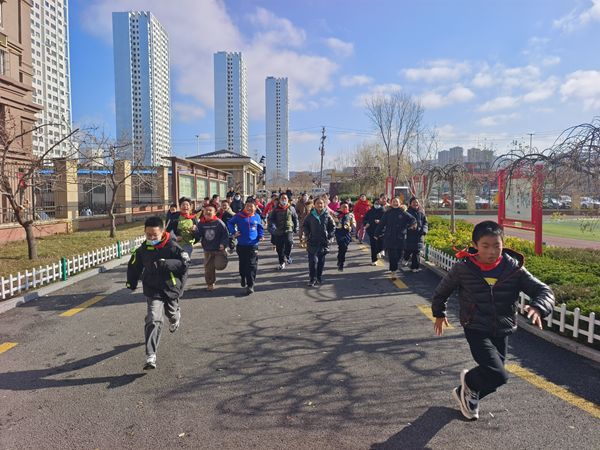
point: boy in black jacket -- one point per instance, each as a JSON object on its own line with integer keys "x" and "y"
{"x": 489, "y": 279}
{"x": 162, "y": 266}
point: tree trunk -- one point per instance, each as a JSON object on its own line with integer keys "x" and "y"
{"x": 111, "y": 216}
{"x": 452, "y": 207}
{"x": 31, "y": 242}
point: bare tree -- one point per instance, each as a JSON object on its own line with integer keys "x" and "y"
{"x": 105, "y": 154}
{"x": 369, "y": 158}
{"x": 454, "y": 175}
{"x": 14, "y": 188}
{"x": 397, "y": 118}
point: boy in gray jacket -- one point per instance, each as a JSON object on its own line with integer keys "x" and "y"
{"x": 214, "y": 236}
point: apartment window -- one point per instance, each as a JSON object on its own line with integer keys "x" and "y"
{"x": 3, "y": 61}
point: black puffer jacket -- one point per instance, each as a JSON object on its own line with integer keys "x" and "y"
{"x": 415, "y": 238}
{"x": 162, "y": 269}
{"x": 318, "y": 231}
{"x": 372, "y": 218}
{"x": 393, "y": 226}
{"x": 492, "y": 309}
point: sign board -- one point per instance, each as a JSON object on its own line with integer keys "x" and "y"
{"x": 389, "y": 187}
{"x": 520, "y": 201}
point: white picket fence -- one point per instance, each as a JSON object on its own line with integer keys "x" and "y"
{"x": 582, "y": 325}
{"x": 63, "y": 268}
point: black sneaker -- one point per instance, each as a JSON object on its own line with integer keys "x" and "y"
{"x": 312, "y": 283}
{"x": 319, "y": 281}
{"x": 250, "y": 290}
{"x": 467, "y": 399}
{"x": 243, "y": 282}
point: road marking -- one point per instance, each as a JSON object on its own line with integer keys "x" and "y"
{"x": 7, "y": 346}
{"x": 426, "y": 310}
{"x": 90, "y": 302}
{"x": 398, "y": 283}
{"x": 554, "y": 389}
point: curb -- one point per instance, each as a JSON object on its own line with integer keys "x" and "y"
{"x": 549, "y": 336}
{"x": 14, "y": 302}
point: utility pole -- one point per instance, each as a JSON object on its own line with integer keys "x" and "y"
{"x": 322, "y": 150}
{"x": 198, "y": 143}
{"x": 530, "y": 142}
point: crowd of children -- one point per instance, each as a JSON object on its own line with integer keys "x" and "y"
{"x": 488, "y": 277}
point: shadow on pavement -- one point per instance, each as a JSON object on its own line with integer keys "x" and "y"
{"x": 39, "y": 379}
{"x": 418, "y": 433}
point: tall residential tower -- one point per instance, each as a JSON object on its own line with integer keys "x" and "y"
{"x": 51, "y": 75}
{"x": 277, "y": 130}
{"x": 231, "y": 105}
{"x": 142, "y": 86}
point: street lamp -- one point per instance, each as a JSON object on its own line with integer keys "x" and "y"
{"x": 198, "y": 143}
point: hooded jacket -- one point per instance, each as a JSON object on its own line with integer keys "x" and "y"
{"x": 161, "y": 267}
{"x": 181, "y": 225}
{"x": 343, "y": 228}
{"x": 370, "y": 217}
{"x": 392, "y": 227}
{"x": 250, "y": 227}
{"x": 491, "y": 308}
{"x": 283, "y": 220}
{"x": 318, "y": 230}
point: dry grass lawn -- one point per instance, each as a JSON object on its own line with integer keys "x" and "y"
{"x": 13, "y": 255}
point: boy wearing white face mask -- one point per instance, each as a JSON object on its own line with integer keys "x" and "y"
{"x": 370, "y": 222}
{"x": 162, "y": 266}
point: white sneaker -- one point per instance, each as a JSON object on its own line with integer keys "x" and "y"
{"x": 150, "y": 362}
{"x": 415, "y": 270}
{"x": 374, "y": 263}
{"x": 281, "y": 266}
{"x": 173, "y": 326}
{"x": 467, "y": 399}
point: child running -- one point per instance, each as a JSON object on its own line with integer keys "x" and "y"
{"x": 343, "y": 233}
{"x": 318, "y": 229}
{"x": 489, "y": 278}
{"x": 213, "y": 235}
{"x": 184, "y": 225}
{"x": 162, "y": 266}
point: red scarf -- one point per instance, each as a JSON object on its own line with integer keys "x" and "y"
{"x": 187, "y": 216}
{"x": 166, "y": 237}
{"x": 283, "y": 208}
{"x": 464, "y": 253}
{"x": 244, "y": 214}
{"x": 207, "y": 220}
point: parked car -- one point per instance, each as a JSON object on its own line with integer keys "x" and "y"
{"x": 589, "y": 203}
{"x": 481, "y": 203}
{"x": 552, "y": 203}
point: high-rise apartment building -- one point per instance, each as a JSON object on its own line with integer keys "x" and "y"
{"x": 457, "y": 155}
{"x": 277, "y": 149}
{"x": 231, "y": 105}
{"x": 51, "y": 76}
{"x": 142, "y": 86}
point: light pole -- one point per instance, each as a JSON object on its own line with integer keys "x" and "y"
{"x": 198, "y": 143}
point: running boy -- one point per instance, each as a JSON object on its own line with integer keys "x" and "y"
{"x": 343, "y": 233}
{"x": 213, "y": 235}
{"x": 162, "y": 265}
{"x": 489, "y": 278}
{"x": 184, "y": 225}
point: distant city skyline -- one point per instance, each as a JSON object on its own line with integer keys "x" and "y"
{"x": 481, "y": 84}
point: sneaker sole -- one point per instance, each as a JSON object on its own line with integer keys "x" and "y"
{"x": 463, "y": 408}
{"x": 149, "y": 366}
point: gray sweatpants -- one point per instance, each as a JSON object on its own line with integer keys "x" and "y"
{"x": 157, "y": 308}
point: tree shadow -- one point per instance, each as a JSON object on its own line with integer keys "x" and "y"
{"x": 419, "y": 432}
{"x": 26, "y": 380}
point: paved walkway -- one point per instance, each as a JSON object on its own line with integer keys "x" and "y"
{"x": 352, "y": 364}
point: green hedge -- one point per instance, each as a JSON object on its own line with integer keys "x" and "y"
{"x": 573, "y": 274}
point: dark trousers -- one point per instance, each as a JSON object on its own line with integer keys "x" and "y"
{"x": 394, "y": 255}
{"x": 316, "y": 262}
{"x": 341, "y": 256}
{"x": 414, "y": 256}
{"x": 283, "y": 244}
{"x": 376, "y": 247}
{"x": 489, "y": 353}
{"x": 248, "y": 256}
{"x": 156, "y": 309}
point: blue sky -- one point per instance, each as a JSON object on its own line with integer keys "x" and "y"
{"x": 487, "y": 72}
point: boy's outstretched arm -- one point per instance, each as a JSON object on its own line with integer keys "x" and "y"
{"x": 134, "y": 270}
{"x": 440, "y": 297}
{"x": 541, "y": 298}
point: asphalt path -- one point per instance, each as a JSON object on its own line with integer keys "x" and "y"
{"x": 352, "y": 364}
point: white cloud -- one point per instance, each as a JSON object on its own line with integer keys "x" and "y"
{"x": 490, "y": 121}
{"x": 438, "y": 71}
{"x": 355, "y": 80}
{"x": 188, "y": 113}
{"x": 340, "y": 47}
{"x": 197, "y": 29}
{"x": 434, "y": 100}
{"x": 504, "y": 102}
{"x": 376, "y": 90}
{"x": 551, "y": 61}
{"x": 520, "y": 76}
{"x": 583, "y": 85}
{"x": 577, "y": 18}
{"x": 542, "y": 91}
